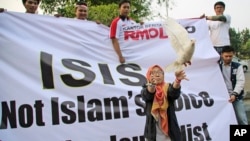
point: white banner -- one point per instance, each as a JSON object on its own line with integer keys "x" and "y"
{"x": 61, "y": 80}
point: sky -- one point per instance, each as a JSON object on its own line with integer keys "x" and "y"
{"x": 237, "y": 9}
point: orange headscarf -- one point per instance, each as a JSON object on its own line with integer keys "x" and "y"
{"x": 160, "y": 103}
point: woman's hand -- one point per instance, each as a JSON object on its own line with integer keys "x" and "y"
{"x": 180, "y": 75}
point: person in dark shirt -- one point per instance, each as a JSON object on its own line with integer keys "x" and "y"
{"x": 159, "y": 96}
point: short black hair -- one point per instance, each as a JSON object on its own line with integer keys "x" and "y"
{"x": 123, "y": 1}
{"x": 227, "y": 49}
{"x": 220, "y": 3}
{"x": 24, "y": 1}
{"x": 81, "y": 3}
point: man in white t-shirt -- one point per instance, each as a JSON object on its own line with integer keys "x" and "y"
{"x": 116, "y": 31}
{"x": 219, "y": 27}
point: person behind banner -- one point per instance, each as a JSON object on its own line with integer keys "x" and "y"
{"x": 81, "y": 11}
{"x": 116, "y": 30}
{"x": 159, "y": 96}
{"x": 234, "y": 78}
{"x": 219, "y": 25}
{"x": 31, "y": 6}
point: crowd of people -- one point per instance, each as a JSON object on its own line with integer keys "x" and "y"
{"x": 161, "y": 122}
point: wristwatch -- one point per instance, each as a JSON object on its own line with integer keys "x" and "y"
{"x": 234, "y": 93}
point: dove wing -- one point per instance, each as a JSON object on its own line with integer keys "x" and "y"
{"x": 177, "y": 33}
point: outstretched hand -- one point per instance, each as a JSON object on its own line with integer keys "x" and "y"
{"x": 141, "y": 22}
{"x": 202, "y": 16}
{"x": 97, "y": 22}
{"x": 181, "y": 75}
{"x": 2, "y": 10}
{"x": 58, "y": 15}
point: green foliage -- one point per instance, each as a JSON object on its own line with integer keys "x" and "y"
{"x": 102, "y": 2}
{"x": 245, "y": 36}
{"x": 103, "y": 13}
{"x": 246, "y": 50}
{"x": 101, "y": 10}
{"x": 56, "y": 6}
{"x": 240, "y": 41}
{"x": 140, "y": 9}
{"x": 235, "y": 39}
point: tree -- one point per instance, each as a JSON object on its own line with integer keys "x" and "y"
{"x": 245, "y": 42}
{"x": 235, "y": 40}
{"x": 96, "y": 13}
{"x": 240, "y": 41}
{"x": 166, "y": 3}
{"x": 245, "y": 35}
{"x": 102, "y": 10}
{"x": 246, "y": 49}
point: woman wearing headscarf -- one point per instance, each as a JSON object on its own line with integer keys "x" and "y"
{"x": 159, "y": 96}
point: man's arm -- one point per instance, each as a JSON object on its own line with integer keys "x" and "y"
{"x": 217, "y": 18}
{"x": 240, "y": 80}
{"x": 116, "y": 46}
{"x": 114, "y": 36}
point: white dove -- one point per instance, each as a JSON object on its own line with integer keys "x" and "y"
{"x": 181, "y": 43}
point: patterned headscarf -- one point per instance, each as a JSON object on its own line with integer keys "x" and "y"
{"x": 160, "y": 103}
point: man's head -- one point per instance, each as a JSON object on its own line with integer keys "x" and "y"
{"x": 227, "y": 54}
{"x": 81, "y": 10}
{"x": 124, "y": 7}
{"x": 38, "y": 1}
{"x": 31, "y": 5}
{"x": 219, "y": 7}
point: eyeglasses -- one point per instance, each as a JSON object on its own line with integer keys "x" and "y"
{"x": 156, "y": 73}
